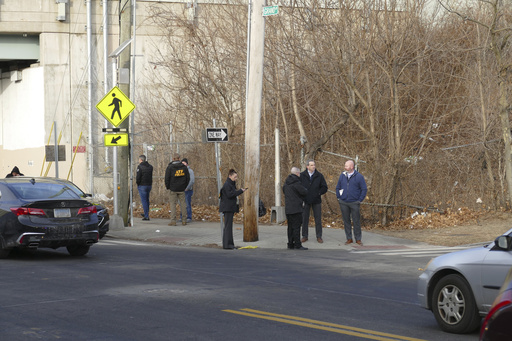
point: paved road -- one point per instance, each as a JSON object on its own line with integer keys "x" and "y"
{"x": 133, "y": 290}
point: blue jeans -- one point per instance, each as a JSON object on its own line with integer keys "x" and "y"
{"x": 144, "y": 198}
{"x": 188, "y": 201}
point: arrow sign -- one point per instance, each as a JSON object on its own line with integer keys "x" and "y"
{"x": 216, "y": 134}
{"x": 115, "y": 140}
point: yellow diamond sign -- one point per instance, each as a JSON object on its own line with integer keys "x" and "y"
{"x": 115, "y": 106}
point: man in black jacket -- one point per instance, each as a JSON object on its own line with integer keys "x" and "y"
{"x": 228, "y": 207}
{"x": 176, "y": 180}
{"x": 144, "y": 180}
{"x": 294, "y": 194}
{"x": 315, "y": 183}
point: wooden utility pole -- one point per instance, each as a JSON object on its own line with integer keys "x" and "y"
{"x": 252, "y": 120}
{"x": 123, "y": 154}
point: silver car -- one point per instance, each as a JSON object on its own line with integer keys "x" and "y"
{"x": 460, "y": 287}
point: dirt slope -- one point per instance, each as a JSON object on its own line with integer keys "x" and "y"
{"x": 483, "y": 228}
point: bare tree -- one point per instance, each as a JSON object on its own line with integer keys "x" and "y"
{"x": 495, "y": 17}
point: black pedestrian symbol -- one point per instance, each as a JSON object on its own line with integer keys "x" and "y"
{"x": 117, "y": 103}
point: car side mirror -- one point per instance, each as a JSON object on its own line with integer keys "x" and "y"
{"x": 503, "y": 242}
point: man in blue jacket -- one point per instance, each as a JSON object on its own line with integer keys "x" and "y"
{"x": 351, "y": 191}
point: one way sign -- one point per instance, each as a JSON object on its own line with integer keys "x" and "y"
{"x": 216, "y": 134}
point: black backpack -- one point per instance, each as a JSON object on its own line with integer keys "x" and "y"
{"x": 262, "y": 210}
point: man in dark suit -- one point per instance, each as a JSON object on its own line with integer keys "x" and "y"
{"x": 315, "y": 183}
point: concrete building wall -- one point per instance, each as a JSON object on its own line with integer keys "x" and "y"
{"x": 22, "y": 115}
{"x": 55, "y": 88}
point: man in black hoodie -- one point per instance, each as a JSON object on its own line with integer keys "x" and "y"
{"x": 144, "y": 180}
{"x": 15, "y": 172}
{"x": 294, "y": 194}
{"x": 176, "y": 180}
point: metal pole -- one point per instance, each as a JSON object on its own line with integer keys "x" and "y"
{"x": 89, "y": 86}
{"x": 302, "y": 161}
{"x": 219, "y": 183}
{"x": 114, "y": 153}
{"x": 106, "y": 87}
{"x": 132, "y": 116}
{"x": 277, "y": 188}
{"x": 56, "y": 150}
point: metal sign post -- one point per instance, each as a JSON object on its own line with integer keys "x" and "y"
{"x": 217, "y": 135}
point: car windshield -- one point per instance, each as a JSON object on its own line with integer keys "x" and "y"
{"x": 42, "y": 190}
{"x": 77, "y": 190}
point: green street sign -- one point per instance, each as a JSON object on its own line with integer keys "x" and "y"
{"x": 270, "y": 10}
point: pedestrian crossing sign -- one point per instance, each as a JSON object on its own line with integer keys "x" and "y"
{"x": 115, "y": 106}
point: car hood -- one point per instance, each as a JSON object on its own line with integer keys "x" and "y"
{"x": 460, "y": 259}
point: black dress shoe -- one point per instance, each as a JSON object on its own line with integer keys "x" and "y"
{"x": 301, "y": 248}
{"x": 145, "y": 218}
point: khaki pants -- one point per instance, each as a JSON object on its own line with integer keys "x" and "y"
{"x": 175, "y": 198}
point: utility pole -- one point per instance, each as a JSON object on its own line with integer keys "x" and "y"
{"x": 252, "y": 119}
{"x": 123, "y": 187}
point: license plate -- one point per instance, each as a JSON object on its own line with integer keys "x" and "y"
{"x": 61, "y": 213}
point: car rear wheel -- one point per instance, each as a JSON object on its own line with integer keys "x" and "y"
{"x": 454, "y": 306}
{"x": 78, "y": 250}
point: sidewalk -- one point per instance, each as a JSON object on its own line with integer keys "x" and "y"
{"x": 209, "y": 234}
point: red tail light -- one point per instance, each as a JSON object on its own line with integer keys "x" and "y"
{"x": 501, "y": 301}
{"x": 27, "y": 211}
{"x": 87, "y": 210}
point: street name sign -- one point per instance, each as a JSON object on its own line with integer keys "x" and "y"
{"x": 115, "y": 140}
{"x": 270, "y": 10}
{"x": 216, "y": 134}
{"x": 115, "y": 106}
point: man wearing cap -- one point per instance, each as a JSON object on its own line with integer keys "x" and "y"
{"x": 176, "y": 180}
{"x": 189, "y": 190}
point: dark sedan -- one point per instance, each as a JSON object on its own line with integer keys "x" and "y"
{"x": 496, "y": 326}
{"x": 103, "y": 216}
{"x": 45, "y": 213}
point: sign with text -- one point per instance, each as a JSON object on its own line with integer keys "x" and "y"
{"x": 79, "y": 149}
{"x": 216, "y": 134}
{"x": 270, "y": 10}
